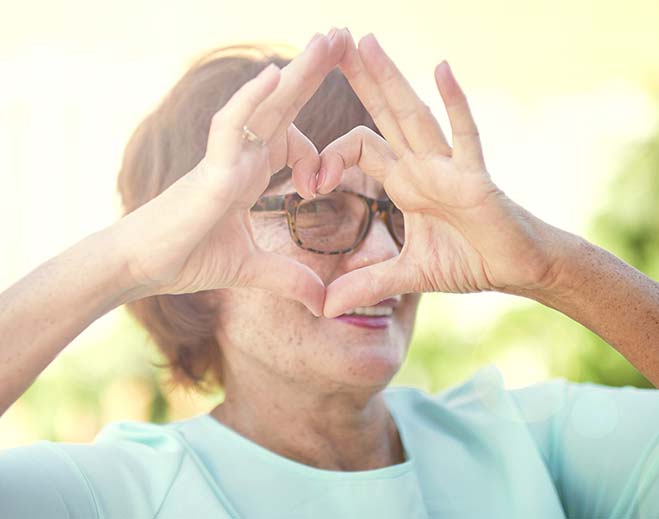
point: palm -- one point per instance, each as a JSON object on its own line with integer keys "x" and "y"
{"x": 196, "y": 235}
{"x": 217, "y": 260}
{"x": 185, "y": 258}
{"x": 435, "y": 183}
{"x": 462, "y": 233}
{"x": 480, "y": 247}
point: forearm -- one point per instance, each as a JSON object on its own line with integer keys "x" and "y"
{"x": 44, "y": 311}
{"x": 611, "y": 298}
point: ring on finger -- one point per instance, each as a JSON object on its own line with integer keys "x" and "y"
{"x": 250, "y": 136}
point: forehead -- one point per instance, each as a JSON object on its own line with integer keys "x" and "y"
{"x": 354, "y": 179}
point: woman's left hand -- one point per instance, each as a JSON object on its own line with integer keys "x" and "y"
{"x": 462, "y": 233}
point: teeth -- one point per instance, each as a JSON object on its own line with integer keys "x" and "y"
{"x": 371, "y": 310}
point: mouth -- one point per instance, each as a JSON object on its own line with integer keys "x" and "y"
{"x": 374, "y": 317}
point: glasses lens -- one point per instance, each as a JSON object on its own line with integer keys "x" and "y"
{"x": 332, "y": 222}
{"x": 398, "y": 224}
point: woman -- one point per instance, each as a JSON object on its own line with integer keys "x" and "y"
{"x": 297, "y": 294}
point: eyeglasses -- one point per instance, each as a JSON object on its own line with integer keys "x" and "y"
{"x": 335, "y": 223}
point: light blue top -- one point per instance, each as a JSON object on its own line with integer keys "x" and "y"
{"x": 476, "y": 450}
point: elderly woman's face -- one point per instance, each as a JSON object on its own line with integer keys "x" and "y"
{"x": 258, "y": 330}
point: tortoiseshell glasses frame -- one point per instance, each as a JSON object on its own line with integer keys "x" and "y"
{"x": 287, "y": 204}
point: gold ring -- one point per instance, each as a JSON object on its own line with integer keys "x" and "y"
{"x": 250, "y": 136}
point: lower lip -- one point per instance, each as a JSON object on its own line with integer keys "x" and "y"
{"x": 366, "y": 322}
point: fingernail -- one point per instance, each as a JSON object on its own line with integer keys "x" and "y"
{"x": 332, "y": 33}
{"x": 321, "y": 179}
{"x": 269, "y": 69}
{"x": 314, "y": 38}
{"x": 444, "y": 69}
{"x": 312, "y": 186}
{"x": 371, "y": 36}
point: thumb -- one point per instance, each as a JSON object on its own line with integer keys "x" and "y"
{"x": 286, "y": 277}
{"x": 303, "y": 160}
{"x": 366, "y": 286}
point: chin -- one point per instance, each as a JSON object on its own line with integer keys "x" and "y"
{"x": 367, "y": 365}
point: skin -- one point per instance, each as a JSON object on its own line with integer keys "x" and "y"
{"x": 310, "y": 388}
{"x": 193, "y": 236}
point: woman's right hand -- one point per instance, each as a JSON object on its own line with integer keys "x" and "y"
{"x": 196, "y": 235}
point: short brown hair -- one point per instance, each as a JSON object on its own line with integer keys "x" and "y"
{"x": 168, "y": 143}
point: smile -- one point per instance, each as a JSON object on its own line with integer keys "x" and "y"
{"x": 372, "y": 311}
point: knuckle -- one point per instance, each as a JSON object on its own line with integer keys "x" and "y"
{"x": 471, "y": 132}
{"x": 403, "y": 113}
{"x": 388, "y": 74}
{"x": 352, "y": 70}
{"x": 361, "y": 131}
{"x": 425, "y": 110}
{"x": 378, "y": 110}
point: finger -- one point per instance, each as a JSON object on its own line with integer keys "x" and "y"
{"x": 300, "y": 79}
{"x": 361, "y": 147}
{"x": 304, "y": 162}
{"x": 231, "y": 118}
{"x": 371, "y": 97}
{"x": 414, "y": 117}
{"x": 466, "y": 140}
{"x": 366, "y": 286}
{"x": 337, "y": 39}
{"x": 285, "y": 277}
{"x": 335, "y": 51}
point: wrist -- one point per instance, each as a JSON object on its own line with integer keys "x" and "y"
{"x": 567, "y": 268}
{"x": 115, "y": 247}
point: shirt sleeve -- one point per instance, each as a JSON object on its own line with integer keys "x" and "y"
{"x": 41, "y": 480}
{"x": 600, "y": 444}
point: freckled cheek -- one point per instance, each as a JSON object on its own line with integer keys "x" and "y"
{"x": 275, "y": 237}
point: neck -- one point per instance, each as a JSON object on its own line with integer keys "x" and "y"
{"x": 340, "y": 429}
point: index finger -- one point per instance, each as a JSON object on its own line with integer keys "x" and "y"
{"x": 361, "y": 147}
{"x": 299, "y": 80}
{"x": 245, "y": 102}
{"x": 414, "y": 117}
{"x": 371, "y": 97}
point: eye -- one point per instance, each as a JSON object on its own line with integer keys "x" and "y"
{"x": 322, "y": 206}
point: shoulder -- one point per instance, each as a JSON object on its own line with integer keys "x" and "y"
{"x": 40, "y": 480}
{"x": 483, "y": 391}
{"x": 600, "y": 442}
{"x": 555, "y": 400}
{"x": 131, "y": 465}
{"x": 127, "y": 471}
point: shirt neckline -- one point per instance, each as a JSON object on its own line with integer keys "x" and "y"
{"x": 271, "y": 457}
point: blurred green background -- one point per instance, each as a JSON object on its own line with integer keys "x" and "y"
{"x": 565, "y": 95}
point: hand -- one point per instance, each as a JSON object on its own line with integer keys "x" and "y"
{"x": 462, "y": 233}
{"x": 196, "y": 235}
